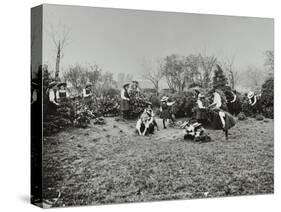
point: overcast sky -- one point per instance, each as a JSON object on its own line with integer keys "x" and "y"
{"x": 119, "y": 40}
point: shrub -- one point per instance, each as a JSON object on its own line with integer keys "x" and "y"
{"x": 267, "y": 98}
{"x": 241, "y": 116}
{"x": 259, "y": 117}
{"x": 155, "y": 100}
{"x": 185, "y": 104}
{"x": 138, "y": 103}
{"x": 247, "y": 109}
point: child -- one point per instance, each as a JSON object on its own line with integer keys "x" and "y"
{"x": 151, "y": 115}
{"x": 165, "y": 110}
{"x": 145, "y": 125}
{"x": 254, "y": 101}
{"x": 62, "y": 93}
{"x": 201, "y": 113}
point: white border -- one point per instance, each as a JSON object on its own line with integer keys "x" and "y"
{"x": 15, "y": 145}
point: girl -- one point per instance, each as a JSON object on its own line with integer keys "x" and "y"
{"x": 165, "y": 110}
{"x": 125, "y": 101}
{"x": 254, "y": 101}
{"x": 52, "y": 104}
{"x": 201, "y": 113}
{"x": 62, "y": 93}
{"x": 220, "y": 119}
{"x": 145, "y": 125}
{"x": 87, "y": 91}
{"x": 151, "y": 115}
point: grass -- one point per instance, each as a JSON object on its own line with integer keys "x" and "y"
{"x": 112, "y": 164}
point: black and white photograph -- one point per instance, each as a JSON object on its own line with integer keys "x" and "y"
{"x": 139, "y": 105}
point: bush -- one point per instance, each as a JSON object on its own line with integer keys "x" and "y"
{"x": 247, "y": 109}
{"x": 259, "y": 117}
{"x": 267, "y": 98}
{"x": 108, "y": 104}
{"x": 185, "y": 104}
{"x": 241, "y": 116}
{"x": 155, "y": 100}
{"x": 138, "y": 103}
{"x": 70, "y": 113}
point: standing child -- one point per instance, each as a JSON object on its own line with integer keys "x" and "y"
{"x": 201, "y": 112}
{"x": 165, "y": 110}
{"x": 125, "y": 101}
{"x": 62, "y": 93}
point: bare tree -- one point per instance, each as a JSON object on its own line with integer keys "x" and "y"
{"x": 123, "y": 78}
{"x": 269, "y": 61}
{"x": 228, "y": 66}
{"x": 153, "y": 74}
{"x": 255, "y": 77}
{"x": 60, "y": 39}
{"x": 207, "y": 63}
{"x": 77, "y": 76}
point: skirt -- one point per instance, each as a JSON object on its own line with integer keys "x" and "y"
{"x": 229, "y": 121}
{"x": 125, "y": 105}
{"x": 165, "y": 114}
{"x": 216, "y": 121}
{"x": 234, "y": 107}
{"x": 201, "y": 114}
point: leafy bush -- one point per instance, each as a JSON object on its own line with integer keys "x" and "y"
{"x": 108, "y": 104}
{"x": 267, "y": 98}
{"x": 138, "y": 102}
{"x": 185, "y": 104}
{"x": 155, "y": 100}
{"x": 247, "y": 109}
{"x": 259, "y": 117}
{"x": 70, "y": 113}
{"x": 241, "y": 116}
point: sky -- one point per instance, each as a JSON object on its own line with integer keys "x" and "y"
{"x": 120, "y": 40}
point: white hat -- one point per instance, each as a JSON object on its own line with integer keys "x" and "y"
{"x": 200, "y": 95}
{"x": 164, "y": 99}
{"x": 52, "y": 84}
{"x": 251, "y": 94}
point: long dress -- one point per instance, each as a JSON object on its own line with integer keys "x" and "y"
{"x": 201, "y": 112}
{"x": 125, "y": 104}
{"x": 216, "y": 119}
{"x": 52, "y": 107}
{"x": 234, "y": 105}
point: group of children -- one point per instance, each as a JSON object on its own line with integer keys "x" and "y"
{"x": 147, "y": 122}
{"x": 220, "y": 119}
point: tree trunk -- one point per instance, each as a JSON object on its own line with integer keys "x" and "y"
{"x": 58, "y": 62}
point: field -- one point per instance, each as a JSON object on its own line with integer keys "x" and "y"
{"x": 111, "y": 164}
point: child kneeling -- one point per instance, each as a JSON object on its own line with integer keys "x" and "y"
{"x": 145, "y": 125}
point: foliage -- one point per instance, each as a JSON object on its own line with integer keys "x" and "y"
{"x": 259, "y": 117}
{"x": 267, "y": 98}
{"x": 269, "y": 61}
{"x": 219, "y": 79}
{"x": 138, "y": 102}
{"x": 207, "y": 63}
{"x": 185, "y": 104}
{"x": 70, "y": 113}
{"x": 247, "y": 109}
{"x": 81, "y": 114}
{"x": 155, "y": 100}
{"x": 241, "y": 116}
{"x": 174, "y": 69}
{"x": 153, "y": 74}
{"x": 78, "y": 76}
{"x": 108, "y": 105}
